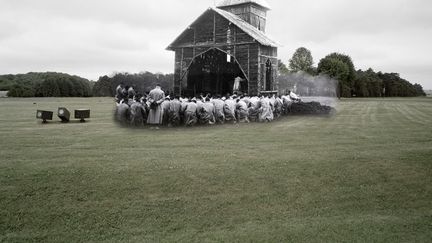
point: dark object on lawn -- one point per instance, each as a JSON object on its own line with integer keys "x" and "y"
{"x": 44, "y": 115}
{"x": 82, "y": 114}
{"x": 311, "y": 108}
{"x": 63, "y": 114}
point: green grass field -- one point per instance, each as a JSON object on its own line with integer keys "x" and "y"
{"x": 363, "y": 175}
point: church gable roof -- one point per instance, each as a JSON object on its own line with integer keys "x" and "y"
{"x": 256, "y": 34}
{"x": 225, "y": 3}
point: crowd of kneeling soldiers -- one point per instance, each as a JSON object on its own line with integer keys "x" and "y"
{"x": 138, "y": 110}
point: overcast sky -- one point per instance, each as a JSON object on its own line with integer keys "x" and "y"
{"x": 92, "y": 38}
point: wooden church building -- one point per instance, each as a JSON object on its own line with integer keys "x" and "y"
{"x": 225, "y": 43}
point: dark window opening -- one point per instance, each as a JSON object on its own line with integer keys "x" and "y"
{"x": 269, "y": 76}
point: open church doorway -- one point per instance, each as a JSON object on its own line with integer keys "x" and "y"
{"x": 215, "y": 72}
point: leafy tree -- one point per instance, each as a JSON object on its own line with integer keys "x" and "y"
{"x": 371, "y": 84}
{"x": 348, "y": 61}
{"x": 301, "y": 60}
{"x": 50, "y": 88}
{"x": 340, "y": 67}
{"x": 282, "y": 68}
{"x": 65, "y": 86}
{"x": 368, "y": 84}
{"x": 6, "y": 82}
{"x": 419, "y": 90}
{"x": 103, "y": 87}
{"x": 19, "y": 90}
{"x": 46, "y": 85}
{"x": 395, "y": 86}
{"x": 338, "y": 70}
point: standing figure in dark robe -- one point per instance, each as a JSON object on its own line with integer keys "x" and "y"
{"x": 155, "y": 99}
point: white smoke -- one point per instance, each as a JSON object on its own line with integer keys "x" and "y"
{"x": 320, "y": 88}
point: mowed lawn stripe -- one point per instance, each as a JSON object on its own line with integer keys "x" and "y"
{"x": 361, "y": 175}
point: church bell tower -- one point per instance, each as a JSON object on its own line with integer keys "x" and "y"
{"x": 252, "y": 11}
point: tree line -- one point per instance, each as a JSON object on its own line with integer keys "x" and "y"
{"x": 335, "y": 75}
{"x": 142, "y": 83}
{"x": 49, "y": 84}
{"x": 52, "y": 84}
{"x": 341, "y": 72}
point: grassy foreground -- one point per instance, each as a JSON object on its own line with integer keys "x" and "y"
{"x": 363, "y": 175}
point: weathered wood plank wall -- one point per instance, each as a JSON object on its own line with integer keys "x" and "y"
{"x": 214, "y": 31}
